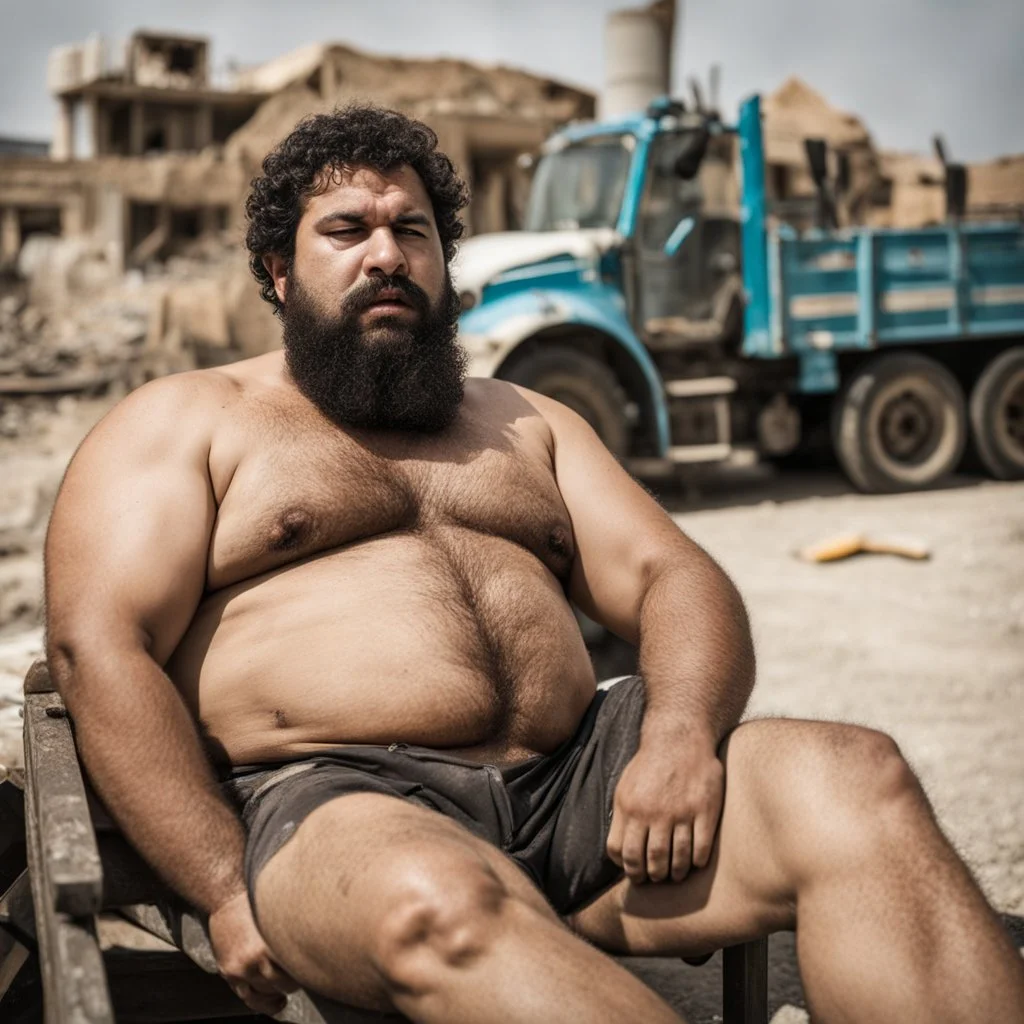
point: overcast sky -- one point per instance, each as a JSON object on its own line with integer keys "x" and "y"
{"x": 908, "y": 67}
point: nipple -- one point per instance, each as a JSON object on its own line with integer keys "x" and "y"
{"x": 291, "y": 529}
{"x": 558, "y": 540}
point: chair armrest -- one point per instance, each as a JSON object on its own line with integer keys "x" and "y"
{"x": 58, "y": 823}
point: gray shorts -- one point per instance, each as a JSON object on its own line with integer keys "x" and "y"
{"x": 550, "y": 814}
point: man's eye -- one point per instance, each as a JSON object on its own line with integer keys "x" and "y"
{"x": 410, "y": 231}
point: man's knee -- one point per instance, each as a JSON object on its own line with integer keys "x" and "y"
{"x": 834, "y": 791}
{"x": 441, "y": 914}
{"x": 858, "y": 770}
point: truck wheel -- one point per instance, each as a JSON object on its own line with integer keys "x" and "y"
{"x": 900, "y": 424}
{"x": 997, "y": 415}
{"x": 586, "y": 386}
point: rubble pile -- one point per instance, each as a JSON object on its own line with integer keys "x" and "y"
{"x": 36, "y": 344}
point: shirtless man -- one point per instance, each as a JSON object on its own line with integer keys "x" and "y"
{"x": 346, "y": 571}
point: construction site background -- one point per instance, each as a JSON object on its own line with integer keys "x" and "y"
{"x": 121, "y": 254}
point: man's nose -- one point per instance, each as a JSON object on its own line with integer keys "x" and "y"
{"x": 384, "y": 255}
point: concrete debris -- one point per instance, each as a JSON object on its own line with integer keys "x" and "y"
{"x": 790, "y": 1015}
{"x": 36, "y": 344}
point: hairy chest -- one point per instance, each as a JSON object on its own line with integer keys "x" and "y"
{"x": 296, "y": 494}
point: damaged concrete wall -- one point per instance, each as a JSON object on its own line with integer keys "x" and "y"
{"x": 485, "y": 117}
{"x": 796, "y": 112}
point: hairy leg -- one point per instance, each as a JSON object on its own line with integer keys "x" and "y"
{"x": 826, "y": 830}
{"x": 381, "y": 904}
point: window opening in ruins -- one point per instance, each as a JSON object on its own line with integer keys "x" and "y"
{"x": 182, "y": 58}
{"x": 119, "y": 139}
{"x": 143, "y": 219}
{"x": 227, "y": 120}
{"x": 881, "y": 192}
{"x": 186, "y": 223}
{"x": 38, "y": 220}
{"x": 155, "y": 139}
{"x": 169, "y": 63}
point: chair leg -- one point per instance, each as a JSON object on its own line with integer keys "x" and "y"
{"x": 745, "y": 983}
{"x": 13, "y": 956}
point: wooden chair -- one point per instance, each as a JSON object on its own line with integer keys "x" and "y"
{"x": 63, "y": 865}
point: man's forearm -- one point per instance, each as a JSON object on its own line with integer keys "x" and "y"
{"x": 144, "y": 758}
{"x": 696, "y": 651}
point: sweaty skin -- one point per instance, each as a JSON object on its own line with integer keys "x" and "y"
{"x": 383, "y": 589}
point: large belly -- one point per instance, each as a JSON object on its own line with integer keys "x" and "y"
{"x": 447, "y": 639}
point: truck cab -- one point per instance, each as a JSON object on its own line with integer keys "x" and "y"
{"x": 661, "y": 300}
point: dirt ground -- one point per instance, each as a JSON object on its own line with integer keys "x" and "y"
{"x": 930, "y": 651}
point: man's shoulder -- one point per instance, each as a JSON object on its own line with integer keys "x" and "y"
{"x": 196, "y": 392}
{"x": 502, "y": 403}
{"x": 183, "y": 409}
{"x": 502, "y": 398}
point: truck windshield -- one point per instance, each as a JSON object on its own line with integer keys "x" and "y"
{"x": 580, "y": 186}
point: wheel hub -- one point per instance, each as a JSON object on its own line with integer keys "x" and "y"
{"x": 907, "y": 426}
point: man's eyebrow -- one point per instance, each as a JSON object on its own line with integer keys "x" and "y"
{"x": 346, "y": 217}
{"x": 413, "y": 218}
{"x": 340, "y": 215}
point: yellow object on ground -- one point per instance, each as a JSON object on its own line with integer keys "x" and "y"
{"x": 847, "y": 544}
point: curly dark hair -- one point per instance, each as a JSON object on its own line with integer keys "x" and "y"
{"x": 301, "y": 166}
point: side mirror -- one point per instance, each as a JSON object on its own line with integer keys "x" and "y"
{"x": 692, "y": 154}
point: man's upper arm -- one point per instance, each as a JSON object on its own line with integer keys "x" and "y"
{"x": 127, "y": 545}
{"x": 622, "y": 534}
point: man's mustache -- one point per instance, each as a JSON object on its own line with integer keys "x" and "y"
{"x": 368, "y": 292}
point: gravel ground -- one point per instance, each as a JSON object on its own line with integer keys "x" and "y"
{"x": 932, "y": 652}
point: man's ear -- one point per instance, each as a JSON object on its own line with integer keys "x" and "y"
{"x": 277, "y": 267}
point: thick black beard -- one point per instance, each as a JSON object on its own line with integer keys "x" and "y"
{"x": 391, "y": 376}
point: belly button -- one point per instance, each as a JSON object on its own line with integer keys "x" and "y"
{"x": 280, "y": 720}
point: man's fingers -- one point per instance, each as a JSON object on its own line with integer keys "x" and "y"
{"x": 634, "y": 853}
{"x": 614, "y": 844}
{"x": 659, "y": 852}
{"x": 261, "y": 1002}
{"x": 704, "y": 839}
{"x": 682, "y": 843}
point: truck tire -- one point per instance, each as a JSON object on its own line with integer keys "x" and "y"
{"x": 997, "y": 415}
{"x": 586, "y": 386}
{"x": 900, "y": 424}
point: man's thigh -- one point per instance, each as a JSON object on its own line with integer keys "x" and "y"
{"x": 352, "y": 869}
{"x": 783, "y": 778}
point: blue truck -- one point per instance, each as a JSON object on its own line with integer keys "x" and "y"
{"x": 690, "y": 321}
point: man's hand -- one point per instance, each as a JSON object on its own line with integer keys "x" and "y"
{"x": 244, "y": 959}
{"x": 666, "y": 808}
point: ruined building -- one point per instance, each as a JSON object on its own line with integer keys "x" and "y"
{"x": 149, "y": 152}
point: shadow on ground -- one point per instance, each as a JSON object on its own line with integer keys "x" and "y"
{"x": 735, "y": 488}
